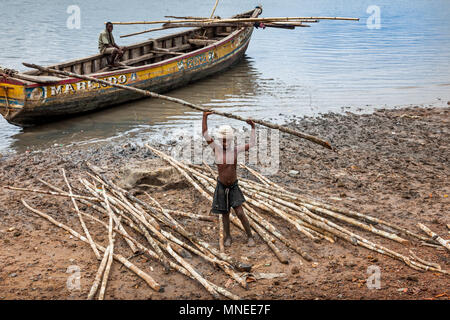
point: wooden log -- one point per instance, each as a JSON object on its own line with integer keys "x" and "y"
{"x": 298, "y": 22}
{"x": 268, "y": 239}
{"x": 186, "y": 17}
{"x": 355, "y": 239}
{"x": 263, "y": 178}
{"x": 101, "y": 210}
{"x": 123, "y": 192}
{"x": 146, "y": 31}
{"x": 98, "y": 275}
{"x": 178, "y": 228}
{"x": 295, "y": 207}
{"x": 435, "y": 236}
{"x": 207, "y": 256}
{"x": 141, "y": 222}
{"x": 282, "y": 26}
{"x": 259, "y": 176}
{"x": 214, "y": 9}
{"x": 191, "y": 237}
{"x": 173, "y": 265}
{"x": 185, "y": 103}
{"x": 147, "y": 278}
{"x": 221, "y": 239}
{"x": 83, "y": 225}
{"x": 67, "y": 195}
{"x": 210, "y": 170}
{"x": 264, "y": 236}
{"x": 296, "y": 210}
{"x": 268, "y": 19}
{"x": 190, "y": 215}
{"x": 250, "y": 200}
{"x": 161, "y": 209}
{"x": 428, "y": 263}
{"x": 322, "y": 234}
{"x": 201, "y": 24}
{"x": 192, "y": 271}
{"x": 358, "y": 240}
{"x": 287, "y": 195}
{"x": 83, "y": 201}
{"x": 269, "y": 227}
{"x": 101, "y": 294}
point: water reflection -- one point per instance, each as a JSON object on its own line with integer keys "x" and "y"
{"x": 237, "y": 86}
{"x": 329, "y": 67}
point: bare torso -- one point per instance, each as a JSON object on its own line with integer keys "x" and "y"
{"x": 226, "y": 161}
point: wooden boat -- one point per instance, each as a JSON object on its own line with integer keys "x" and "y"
{"x": 158, "y": 65}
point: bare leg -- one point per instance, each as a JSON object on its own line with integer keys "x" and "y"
{"x": 241, "y": 215}
{"x": 113, "y": 57}
{"x": 117, "y": 56}
{"x": 226, "y": 229}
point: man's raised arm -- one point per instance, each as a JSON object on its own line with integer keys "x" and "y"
{"x": 252, "y": 138}
{"x": 205, "y": 134}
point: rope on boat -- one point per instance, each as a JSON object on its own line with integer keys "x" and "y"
{"x": 7, "y": 73}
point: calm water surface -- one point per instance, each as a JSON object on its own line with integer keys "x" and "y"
{"x": 332, "y": 66}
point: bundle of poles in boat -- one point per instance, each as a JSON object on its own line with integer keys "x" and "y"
{"x": 204, "y": 22}
{"x": 149, "y": 229}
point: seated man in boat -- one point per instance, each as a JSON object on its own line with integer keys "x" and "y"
{"x": 228, "y": 194}
{"x": 107, "y": 46}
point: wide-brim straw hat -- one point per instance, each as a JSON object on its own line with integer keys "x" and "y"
{"x": 225, "y": 132}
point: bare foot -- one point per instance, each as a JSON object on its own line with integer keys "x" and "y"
{"x": 227, "y": 242}
{"x": 250, "y": 242}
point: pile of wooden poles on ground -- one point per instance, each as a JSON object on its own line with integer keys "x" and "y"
{"x": 202, "y": 22}
{"x": 169, "y": 243}
{"x": 312, "y": 218}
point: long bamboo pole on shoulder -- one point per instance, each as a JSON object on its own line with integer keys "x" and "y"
{"x": 147, "y": 93}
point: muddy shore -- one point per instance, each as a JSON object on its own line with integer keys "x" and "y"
{"x": 392, "y": 164}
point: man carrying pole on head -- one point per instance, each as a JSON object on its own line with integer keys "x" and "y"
{"x": 228, "y": 194}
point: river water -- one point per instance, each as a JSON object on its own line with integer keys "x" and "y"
{"x": 332, "y": 66}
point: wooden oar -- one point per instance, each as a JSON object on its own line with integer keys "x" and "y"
{"x": 299, "y": 134}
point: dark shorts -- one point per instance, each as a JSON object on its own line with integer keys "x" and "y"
{"x": 226, "y": 197}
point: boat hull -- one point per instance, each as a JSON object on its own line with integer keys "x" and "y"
{"x": 28, "y": 105}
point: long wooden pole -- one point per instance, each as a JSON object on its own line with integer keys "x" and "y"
{"x": 98, "y": 275}
{"x": 214, "y": 9}
{"x": 146, "y": 31}
{"x": 173, "y": 265}
{"x": 434, "y": 236}
{"x": 269, "y": 19}
{"x": 147, "y": 278}
{"x": 101, "y": 294}
{"x": 83, "y": 225}
{"x": 226, "y": 24}
{"x": 202, "y": 245}
{"x": 316, "y": 140}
